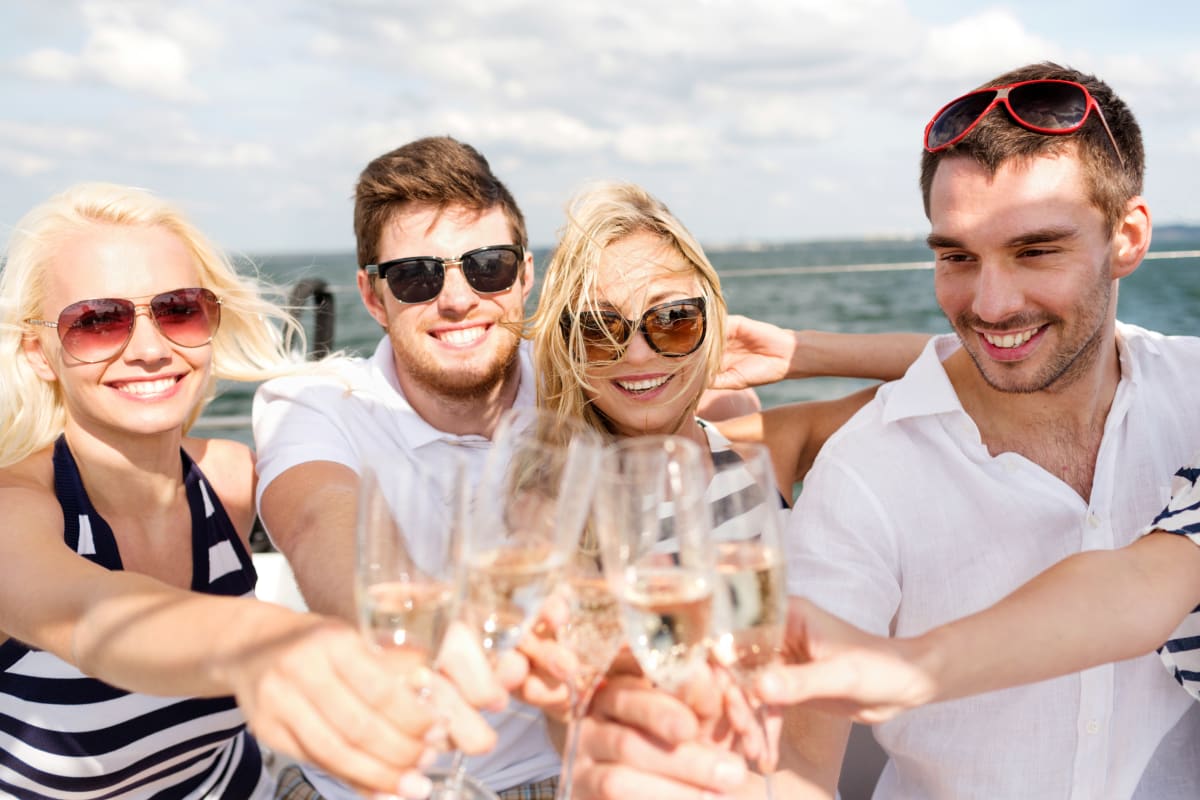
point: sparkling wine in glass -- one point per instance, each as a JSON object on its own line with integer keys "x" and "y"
{"x": 592, "y": 633}
{"x": 654, "y": 526}
{"x": 527, "y": 514}
{"x": 525, "y": 523}
{"x": 406, "y": 588}
{"x": 751, "y": 608}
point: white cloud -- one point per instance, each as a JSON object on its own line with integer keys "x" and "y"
{"x": 134, "y": 46}
{"x": 58, "y": 139}
{"x": 23, "y": 164}
{"x": 665, "y": 144}
{"x": 543, "y": 130}
{"x": 974, "y": 48}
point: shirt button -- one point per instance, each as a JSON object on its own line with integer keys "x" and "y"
{"x": 1093, "y": 726}
{"x": 1093, "y": 521}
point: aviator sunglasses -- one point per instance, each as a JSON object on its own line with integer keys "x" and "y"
{"x": 96, "y": 330}
{"x": 1052, "y": 107}
{"x": 673, "y": 329}
{"x": 488, "y": 270}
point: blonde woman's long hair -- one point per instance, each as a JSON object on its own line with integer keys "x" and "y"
{"x": 254, "y": 341}
{"x": 597, "y": 217}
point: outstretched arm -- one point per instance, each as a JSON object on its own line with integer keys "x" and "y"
{"x": 308, "y": 686}
{"x": 309, "y": 511}
{"x": 758, "y": 353}
{"x": 1089, "y": 609}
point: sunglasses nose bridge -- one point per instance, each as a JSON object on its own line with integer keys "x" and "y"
{"x": 456, "y": 292}
{"x": 637, "y": 345}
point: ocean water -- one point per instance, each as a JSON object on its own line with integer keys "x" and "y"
{"x": 864, "y": 286}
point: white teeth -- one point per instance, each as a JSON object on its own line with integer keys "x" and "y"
{"x": 462, "y": 335}
{"x": 147, "y": 387}
{"x": 1010, "y": 340}
{"x": 642, "y": 386}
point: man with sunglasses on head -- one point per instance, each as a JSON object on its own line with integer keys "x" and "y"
{"x": 445, "y": 270}
{"x": 1042, "y": 427}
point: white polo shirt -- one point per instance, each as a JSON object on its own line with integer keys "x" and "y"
{"x": 359, "y": 416}
{"x": 906, "y": 522}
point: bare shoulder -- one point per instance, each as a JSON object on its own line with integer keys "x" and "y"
{"x": 28, "y": 504}
{"x": 32, "y": 472}
{"x": 229, "y": 468}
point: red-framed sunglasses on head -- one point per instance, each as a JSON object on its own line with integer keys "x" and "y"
{"x": 1048, "y": 106}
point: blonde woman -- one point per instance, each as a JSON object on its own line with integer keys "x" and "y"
{"x": 631, "y": 329}
{"x": 132, "y": 655}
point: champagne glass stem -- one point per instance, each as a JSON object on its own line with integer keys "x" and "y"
{"x": 577, "y": 705}
{"x": 458, "y": 768}
{"x": 760, "y": 716}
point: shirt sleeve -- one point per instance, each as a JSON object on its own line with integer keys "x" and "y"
{"x": 298, "y": 420}
{"x": 841, "y": 546}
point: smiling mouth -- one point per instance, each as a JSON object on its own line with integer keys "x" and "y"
{"x": 1010, "y": 340}
{"x": 146, "y": 388}
{"x": 642, "y": 386}
{"x": 461, "y": 336}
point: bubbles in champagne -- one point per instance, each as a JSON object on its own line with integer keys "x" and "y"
{"x": 505, "y": 589}
{"x": 667, "y": 616}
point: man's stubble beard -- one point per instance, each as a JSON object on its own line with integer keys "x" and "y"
{"x": 461, "y": 386}
{"x": 1069, "y": 363}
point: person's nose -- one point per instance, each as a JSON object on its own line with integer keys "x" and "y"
{"x": 998, "y": 292}
{"x": 638, "y": 349}
{"x": 457, "y": 298}
{"x": 146, "y": 341}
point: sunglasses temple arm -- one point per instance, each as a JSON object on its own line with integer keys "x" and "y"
{"x": 1111, "y": 139}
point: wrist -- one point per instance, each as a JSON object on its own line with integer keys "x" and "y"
{"x": 803, "y": 347}
{"x": 928, "y": 654}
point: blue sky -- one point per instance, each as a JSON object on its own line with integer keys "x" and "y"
{"x": 755, "y": 120}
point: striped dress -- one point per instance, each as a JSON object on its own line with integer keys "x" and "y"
{"x": 65, "y": 735}
{"x": 1181, "y": 653}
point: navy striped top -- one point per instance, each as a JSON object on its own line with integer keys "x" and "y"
{"x": 65, "y": 735}
{"x": 1181, "y": 653}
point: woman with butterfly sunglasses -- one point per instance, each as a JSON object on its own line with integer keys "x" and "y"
{"x": 134, "y": 660}
{"x": 631, "y": 329}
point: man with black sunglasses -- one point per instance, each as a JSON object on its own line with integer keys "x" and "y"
{"x": 1042, "y": 427}
{"x": 445, "y": 269}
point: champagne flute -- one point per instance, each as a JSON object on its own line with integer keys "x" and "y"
{"x": 748, "y": 526}
{"x": 654, "y": 527}
{"x": 528, "y": 511}
{"x": 592, "y": 633}
{"x": 406, "y": 590}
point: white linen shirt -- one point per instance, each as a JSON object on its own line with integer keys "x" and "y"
{"x": 359, "y": 416}
{"x": 906, "y": 522}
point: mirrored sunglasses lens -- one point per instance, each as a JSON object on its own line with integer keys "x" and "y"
{"x": 416, "y": 281}
{"x": 1053, "y": 106}
{"x": 94, "y": 330}
{"x": 957, "y": 118}
{"x": 188, "y": 317}
{"x": 676, "y": 330}
{"x": 492, "y": 270}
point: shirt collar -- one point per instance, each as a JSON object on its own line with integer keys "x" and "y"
{"x": 925, "y": 388}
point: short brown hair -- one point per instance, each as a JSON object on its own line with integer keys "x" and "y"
{"x": 436, "y": 171}
{"x": 997, "y": 139}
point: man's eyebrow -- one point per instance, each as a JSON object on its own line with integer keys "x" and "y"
{"x": 936, "y": 240}
{"x": 1043, "y": 236}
